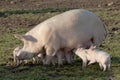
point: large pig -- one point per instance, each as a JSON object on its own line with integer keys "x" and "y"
{"x": 67, "y": 31}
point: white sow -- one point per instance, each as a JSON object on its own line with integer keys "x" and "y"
{"x": 67, "y": 31}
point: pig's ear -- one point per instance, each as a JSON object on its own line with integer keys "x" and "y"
{"x": 81, "y": 48}
{"x": 93, "y": 47}
{"x": 25, "y": 38}
{"x": 74, "y": 50}
{"x": 21, "y": 37}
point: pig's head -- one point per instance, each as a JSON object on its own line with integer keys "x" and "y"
{"x": 15, "y": 52}
{"x": 30, "y": 47}
{"x": 92, "y": 47}
{"x": 80, "y": 50}
{"x": 91, "y": 50}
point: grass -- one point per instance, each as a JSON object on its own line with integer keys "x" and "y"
{"x": 66, "y": 72}
{"x": 5, "y": 13}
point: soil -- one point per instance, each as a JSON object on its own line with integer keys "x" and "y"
{"x": 8, "y": 23}
{"x": 40, "y": 4}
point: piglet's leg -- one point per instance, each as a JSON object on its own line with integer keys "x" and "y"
{"x": 108, "y": 67}
{"x": 84, "y": 63}
{"x": 101, "y": 67}
{"x": 18, "y": 62}
{"x": 91, "y": 62}
{"x": 104, "y": 67}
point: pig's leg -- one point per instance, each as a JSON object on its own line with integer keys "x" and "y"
{"x": 18, "y": 62}
{"x": 67, "y": 57}
{"x": 72, "y": 55}
{"x": 43, "y": 58}
{"x": 104, "y": 67}
{"x": 108, "y": 67}
{"x": 59, "y": 57}
{"x": 14, "y": 57}
{"x": 26, "y": 61}
{"x": 84, "y": 63}
{"x": 36, "y": 59}
{"x": 108, "y": 63}
{"x": 101, "y": 67}
{"x": 50, "y": 53}
{"x": 91, "y": 62}
{"x": 53, "y": 60}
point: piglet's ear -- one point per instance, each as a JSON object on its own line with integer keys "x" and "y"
{"x": 93, "y": 47}
{"x": 74, "y": 50}
{"x": 21, "y": 37}
{"x": 81, "y": 48}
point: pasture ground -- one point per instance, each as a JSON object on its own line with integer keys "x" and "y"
{"x": 19, "y": 16}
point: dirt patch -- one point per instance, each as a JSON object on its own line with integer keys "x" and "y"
{"x": 40, "y": 4}
{"x": 8, "y": 23}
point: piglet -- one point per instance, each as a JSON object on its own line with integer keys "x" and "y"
{"x": 15, "y": 52}
{"x": 94, "y": 55}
